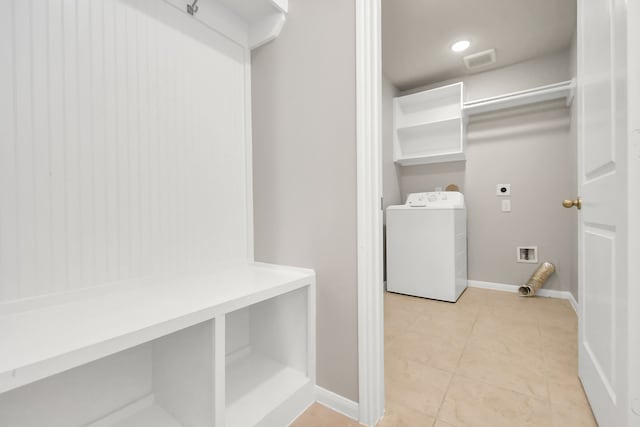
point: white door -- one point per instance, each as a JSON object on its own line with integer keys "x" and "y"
{"x": 602, "y": 181}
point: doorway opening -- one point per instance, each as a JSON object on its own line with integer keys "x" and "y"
{"x": 479, "y": 151}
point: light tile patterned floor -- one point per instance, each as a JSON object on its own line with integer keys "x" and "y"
{"x": 492, "y": 359}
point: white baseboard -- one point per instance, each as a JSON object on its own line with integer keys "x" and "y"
{"x": 337, "y": 403}
{"x": 574, "y": 303}
{"x": 492, "y": 286}
{"x": 506, "y": 287}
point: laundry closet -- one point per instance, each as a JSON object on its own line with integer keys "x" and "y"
{"x": 467, "y": 105}
{"x": 128, "y": 291}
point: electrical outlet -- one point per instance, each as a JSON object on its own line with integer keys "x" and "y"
{"x": 506, "y": 205}
{"x": 503, "y": 190}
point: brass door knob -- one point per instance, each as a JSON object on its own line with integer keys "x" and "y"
{"x": 571, "y": 203}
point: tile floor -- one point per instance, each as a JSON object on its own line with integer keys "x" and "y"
{"x": 492, "y": 359}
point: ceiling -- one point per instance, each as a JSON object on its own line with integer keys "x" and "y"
{"x": 417, "y": 34}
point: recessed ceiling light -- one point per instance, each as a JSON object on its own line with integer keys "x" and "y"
{"x": 460, "y": 46}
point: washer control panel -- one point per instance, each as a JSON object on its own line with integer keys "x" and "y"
{"x": 439, "y": 199}
{"x": 417, "y": 199}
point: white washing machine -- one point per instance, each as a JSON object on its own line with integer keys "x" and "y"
{"x": 427, "y": 246}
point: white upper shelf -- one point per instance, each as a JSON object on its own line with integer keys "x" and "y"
{"x": 429, "y": 126}
{"x": 516, "y": 99}
{"x": 250, "y": 23}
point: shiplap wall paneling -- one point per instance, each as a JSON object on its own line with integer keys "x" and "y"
{"x": 8, "y": 219}
{"x": 123, "y": 144}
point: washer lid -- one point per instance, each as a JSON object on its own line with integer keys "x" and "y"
{"x": 436, "y": 200}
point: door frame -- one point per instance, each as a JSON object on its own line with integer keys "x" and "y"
{"x": 369, "y": 208}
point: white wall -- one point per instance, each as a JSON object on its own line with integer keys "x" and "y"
{"x": 122, "y": 146}
{"x": 304, "y": 153}
{"x": 532, "y": 149}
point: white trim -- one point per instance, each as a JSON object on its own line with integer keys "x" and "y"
{"x": 504, "y": 287}
{"x": 507, "y": 287}
{"x": 573, "y": 302}
{"x": 267, "y": 30}
{"x": 369, "y": 185}
{"x": 250, "y": 27}
{"x": 248, "y": 154}
{"x": 338, "y": 403}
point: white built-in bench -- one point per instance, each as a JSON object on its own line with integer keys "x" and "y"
{"x": 233, "y": 347}
{"x": 146, "y": 167}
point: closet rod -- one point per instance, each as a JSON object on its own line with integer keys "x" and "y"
{"x": 516, "y": 99}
